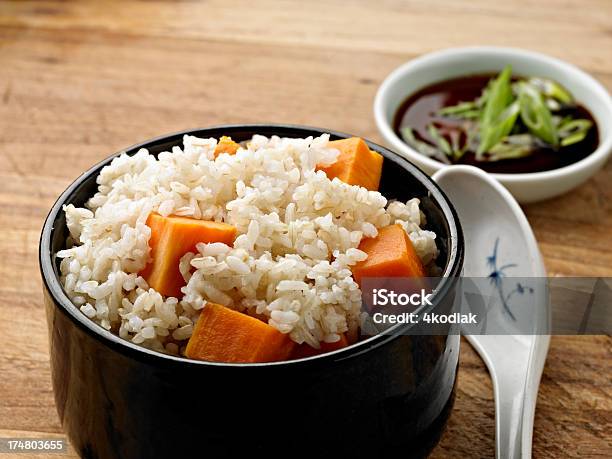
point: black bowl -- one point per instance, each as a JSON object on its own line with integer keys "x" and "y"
{"x": 389, "y": 393}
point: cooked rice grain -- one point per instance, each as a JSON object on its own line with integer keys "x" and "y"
{"x": 298, "y": 234}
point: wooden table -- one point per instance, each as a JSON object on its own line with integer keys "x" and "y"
{"x": 80, "y": 80}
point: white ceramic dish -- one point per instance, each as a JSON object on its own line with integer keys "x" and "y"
{"x": 442, "y": 65}
{"x": 499, "y": 243}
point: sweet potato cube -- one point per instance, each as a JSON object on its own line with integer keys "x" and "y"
{"x": 390, "y": 254}
{"x": 173, "y": 237}
{"x": 226, "y": 145}
{"x": 156, "y": 223}
{"x": 356, "y": 163}
{"x": 224, "y": 335}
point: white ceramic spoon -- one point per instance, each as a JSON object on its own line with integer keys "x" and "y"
{"x": 495, "y": 226}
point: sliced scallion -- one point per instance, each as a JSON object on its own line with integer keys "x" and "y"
{"x": 439, "y": 139}
{"x": 552, "y": 89}
{"x": 422, "y": 147}
{"x": 499, "y": 96}
{"x": 573, "y": 131}
{"x": 536, "y": 115}
{"x": 510, "y": 119}
{"x": 512, "y": 147}
{"x": 493, "y": 133}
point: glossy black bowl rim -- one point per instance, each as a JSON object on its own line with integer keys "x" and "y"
{"x": 62, "y": 301}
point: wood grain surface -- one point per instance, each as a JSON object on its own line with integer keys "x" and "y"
{"x": 80, "y": 80}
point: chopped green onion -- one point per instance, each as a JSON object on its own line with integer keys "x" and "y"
{"x": 460, "y": 110}
{"x": 536, "y": 115}
{"x": 559, "y": 121}
{"x": 493, "y": 133}
{"x": 505, "y": 151}
{"x": 458, "y": 150}
{"x": 512, "y": 147}
{"x": 498, "y": 98}
{"x": 573, "y": 131}
{"x": 482, "y": 99}
{"x": 552, "y": 104}
{"x": 552, "y": 89}
{"x": 569, "y": 125}
{"x": 422, "y": 147}
{"x": 440, "y": 141}
{"x": 574, "y": 138}
{"x": 470, "y": 115}
{"x": 510, "y": 119}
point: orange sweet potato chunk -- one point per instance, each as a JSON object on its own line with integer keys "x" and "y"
{"x": 226, "y": 145}
{"x": 156, "y": 223}
{"x": 390, "y": 254}
{"x": 224, "y": 335}
{"x": 306, "y": 350}
{"x": 173, "y": 237}
{"x": 356, "y": 164}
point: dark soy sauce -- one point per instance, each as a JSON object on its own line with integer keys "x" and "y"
{"x": 419, "y": 110}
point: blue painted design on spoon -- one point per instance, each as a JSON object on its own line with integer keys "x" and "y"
{"x": 497, "y": 275}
